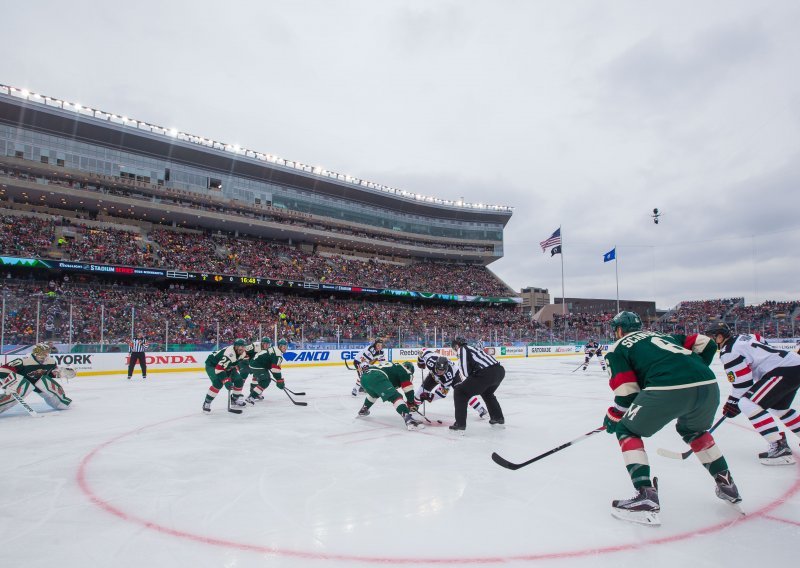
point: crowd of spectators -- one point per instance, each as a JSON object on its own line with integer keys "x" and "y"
{"x": 189, "y": 314}
{"x": 225, "y": 254}
{"x": 26, "y": 236}
{"x": 770, "y": 318}
{"x": 162, "y": 194}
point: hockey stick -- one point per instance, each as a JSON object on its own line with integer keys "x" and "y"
{"x": 578, "y": 367}
{"x": 24, "y": 405}
{"x": 347, "y": 364}
{"x": 293, "y": 400}
{"x": 287, "y": 391}
{"x": 508, "y": 465}
{"x": 425, "y": 417}
{"x": 682, "y": 456}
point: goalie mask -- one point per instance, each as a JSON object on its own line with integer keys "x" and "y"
{"x": 40, "y": 352}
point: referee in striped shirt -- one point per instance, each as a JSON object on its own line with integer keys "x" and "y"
{"x": 136, "y": 347}
{"x": 481, "y": 374}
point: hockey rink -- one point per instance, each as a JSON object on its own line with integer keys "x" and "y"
{"x": 134, "y": 474}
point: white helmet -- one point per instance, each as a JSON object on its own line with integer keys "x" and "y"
{"x": 40, "y": 352}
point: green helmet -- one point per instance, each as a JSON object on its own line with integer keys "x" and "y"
{"x": 267, "y": 340}
{"x": 627, "y": 321}
{"x": 240, "y": 343}
{"x": 282, "y": 342}
{"x": 408, "y": 366}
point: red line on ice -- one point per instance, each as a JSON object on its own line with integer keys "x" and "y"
{"x": 83, "y": 483}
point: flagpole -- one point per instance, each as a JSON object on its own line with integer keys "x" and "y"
{"x": 563, "y": 297}
{"x": 616, "y": 272}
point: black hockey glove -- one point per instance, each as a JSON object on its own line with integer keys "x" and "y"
{"x": 731, "y": 408}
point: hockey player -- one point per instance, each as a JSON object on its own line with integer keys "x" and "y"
{"x": 657, "y": 378}
{"x": 424, "y": 355}
{"x": 266, "y": 366}
{"x": 764, "y": 380}
{"x": 37, "y": 371}
{"x": 592, "y": 348}
{"x": 250, "y": 352}
{"x": 382, "y": 381}
{"x": 221, "y": 369}
{"x": 370, "y": 355}
{"x": 442, "y": 376}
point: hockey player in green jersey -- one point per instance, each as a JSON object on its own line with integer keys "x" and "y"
{"x": 382, "y": 381}
{"x": 37, "y": 371}
{"x": 221, "y": 369}
{"x": 265, "y": 366}
{"x": 657, "y": 378}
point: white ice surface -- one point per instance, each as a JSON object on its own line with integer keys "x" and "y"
{"x": 135, "y": 475}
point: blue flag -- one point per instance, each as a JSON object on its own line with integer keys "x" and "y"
{"x": 610, "y": 255}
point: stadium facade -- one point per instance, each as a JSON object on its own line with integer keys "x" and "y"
{"x": 272, "y": 197}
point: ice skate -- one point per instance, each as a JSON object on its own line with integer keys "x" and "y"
{"x": 483, "y": 414}
{"x": 237, "y": 400}
{"x": 644, "y": 508}
{"x": 251, "y": 400}
{"x": 458, "y": 428}
{"x": 727, "y": 491}
{"x": 779, "y": 453}
{"x": 364, "y": 411}
{"x": 206, "y": 406}
{"x": 497, "y": 422}
{"x": 355, "y": 391}
{"x": 233, "y": 406}
{"x": 412, "y": 424}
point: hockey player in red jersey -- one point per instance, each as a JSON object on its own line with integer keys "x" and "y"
{"x": 764, "y": 381}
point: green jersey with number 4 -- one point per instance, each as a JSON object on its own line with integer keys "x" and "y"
{"x": 649, "y": 360}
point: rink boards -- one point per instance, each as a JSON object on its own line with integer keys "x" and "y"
{"x": 89, "y": 364}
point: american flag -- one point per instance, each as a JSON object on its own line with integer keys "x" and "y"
{"x": 552, "y": 240}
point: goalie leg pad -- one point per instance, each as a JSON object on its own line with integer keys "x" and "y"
{"x": 53, "y": 394}
{"x": 21, "y": 387}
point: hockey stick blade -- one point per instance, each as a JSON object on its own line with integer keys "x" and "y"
{"x": 294, "y": 393}
{"x": 502, "y": 462}
{"x": 25, "y": 405}
{"x": 684, "y": 455}
{"x": 428, "y": 420}
{"x": 673, "y": 455}
{"x": 347, "y": 364}
{"x": 296, "y": 403}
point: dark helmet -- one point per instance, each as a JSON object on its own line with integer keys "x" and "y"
{"x": 457, "y": 342}
{"x": 239, "y": 343}
{"x": 719, "y": 328}
{"x": 267, "y": 340}
{"x": 409, "y": 366}
{"x": 627, "y": 321}
{"x": 378, "y": 340}
{"x": 440, "y": 366}
{"x": 283, "y": 343}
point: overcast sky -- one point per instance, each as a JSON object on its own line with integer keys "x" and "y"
{"x": 584, "y": 115}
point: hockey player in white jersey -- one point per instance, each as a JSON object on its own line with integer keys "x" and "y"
{"x": 592, "y": 348}
{"x": 442, "y": 375}
{"x": 371, "y": 354}
{"x": 764, "y": 380}
{"x": 38, "y": 372}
